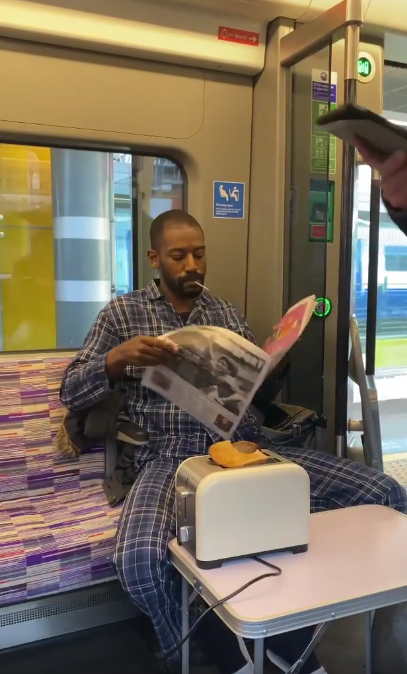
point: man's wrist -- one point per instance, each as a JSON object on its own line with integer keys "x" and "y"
{"x": 114, "y": 364}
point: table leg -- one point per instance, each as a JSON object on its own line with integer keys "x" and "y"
{"x": 368, "y": 642}
{"x": 185, "y": 626}
{"x": 297, "y": 666}
{"x": 258, "y": 656}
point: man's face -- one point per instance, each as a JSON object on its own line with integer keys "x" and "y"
{"x": 181, "y": 260}
{"x": 222, "y": 367}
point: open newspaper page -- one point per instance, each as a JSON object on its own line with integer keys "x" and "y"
{"x": 289, "y": 329}
{"x": 213, "y": 376}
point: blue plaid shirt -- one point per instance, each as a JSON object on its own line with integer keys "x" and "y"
{"x": 172, "y": 432}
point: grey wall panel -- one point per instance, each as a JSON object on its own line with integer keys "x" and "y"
{"x": 78, "y": 90}
{"x": 267, "y": 189}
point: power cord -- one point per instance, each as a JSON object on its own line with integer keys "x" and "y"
{"x": 276, "y": 572}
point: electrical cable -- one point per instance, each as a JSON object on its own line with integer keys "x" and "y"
{"x": 276, "y": 572}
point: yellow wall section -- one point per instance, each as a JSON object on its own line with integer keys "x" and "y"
{"x": 27, "y": 286}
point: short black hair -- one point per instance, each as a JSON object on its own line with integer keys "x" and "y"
{"x": 173, "y": 218}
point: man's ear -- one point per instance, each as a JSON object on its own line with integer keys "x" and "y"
{"x": 153, "y": 258}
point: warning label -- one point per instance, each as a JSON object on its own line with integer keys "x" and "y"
{"x": 239, "y": 36}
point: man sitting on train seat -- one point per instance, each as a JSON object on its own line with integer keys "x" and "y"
{"x": 124, "y": 335}
{"x": 393, "y": 172}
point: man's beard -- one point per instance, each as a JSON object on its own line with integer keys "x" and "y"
{"x": 184, "y": 286}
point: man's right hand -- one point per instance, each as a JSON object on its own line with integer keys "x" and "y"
{"x": 139, "y": 352}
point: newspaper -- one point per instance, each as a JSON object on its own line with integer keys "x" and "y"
{"x": 215, "y": 372}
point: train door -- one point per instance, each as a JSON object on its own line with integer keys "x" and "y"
{"x": 322, "y": 59}
{"x": 314, "y": 164}
{"x": 325, "y": 60}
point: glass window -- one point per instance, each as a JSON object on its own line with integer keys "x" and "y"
{"x": 74, "y": 232}
{"x": 159, "y": 187}
{"x": 123, "y": 223}
{"x": 395, "y": 258}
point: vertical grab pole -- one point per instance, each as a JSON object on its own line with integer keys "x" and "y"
{"x": 352, "y": 34}
{"x": 371, "y": 317}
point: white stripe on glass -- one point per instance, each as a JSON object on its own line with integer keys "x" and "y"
{"x": 79, "y": 227}
{"x": 83, "y": 291}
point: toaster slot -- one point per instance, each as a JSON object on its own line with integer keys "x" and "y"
{"x": 184, "y": 530}
{"x": 182, "y": 495}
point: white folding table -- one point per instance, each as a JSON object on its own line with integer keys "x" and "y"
{"x": 356, "y": 563}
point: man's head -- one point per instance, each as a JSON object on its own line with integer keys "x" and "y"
{"x": 178, "y": 252}
{"x": 225, "y": 366}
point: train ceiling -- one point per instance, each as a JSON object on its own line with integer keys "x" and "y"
{"x": 189, "y": 32}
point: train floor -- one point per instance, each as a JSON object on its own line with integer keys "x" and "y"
{"x": 118, "y": 649}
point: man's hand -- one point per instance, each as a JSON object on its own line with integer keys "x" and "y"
{"x": 139, "y": 352}
{"x": 393, "y": 172}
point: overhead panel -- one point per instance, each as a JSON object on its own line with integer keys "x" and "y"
{"x": 151, "y": 30}
{"x": 256, "y": 9}
{"x": 380, "y": 16}
{"x": 76, "y": 105}
{"x": 188, "y": 32}
{"x": 386, "y": 17}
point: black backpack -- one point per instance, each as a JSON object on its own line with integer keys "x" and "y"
{"x": 294, "y": 425}
{"x": 286, "y": 424}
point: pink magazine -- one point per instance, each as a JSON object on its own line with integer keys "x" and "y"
{"x": 289, "y": 330}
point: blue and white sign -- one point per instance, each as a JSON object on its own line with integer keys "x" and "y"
{"x": 228, "y": 200}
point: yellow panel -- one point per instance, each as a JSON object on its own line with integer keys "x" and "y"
{"x": 27, "y": 287}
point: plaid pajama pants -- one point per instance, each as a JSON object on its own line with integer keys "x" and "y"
{"x": 148, "y": 524}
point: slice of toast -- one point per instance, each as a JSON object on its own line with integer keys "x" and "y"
{"x": 228, "y": 455}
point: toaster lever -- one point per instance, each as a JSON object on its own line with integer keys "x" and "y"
{"x": 184, "y": 534}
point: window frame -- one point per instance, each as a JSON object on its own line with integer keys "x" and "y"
{"x": 77, "y": 144}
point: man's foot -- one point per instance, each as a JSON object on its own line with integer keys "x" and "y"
{"x": 284, "y": 666}
{"x": 158, "y": 663}
{"x": 285, "y": 649}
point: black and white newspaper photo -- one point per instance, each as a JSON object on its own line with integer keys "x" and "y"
{"x": 213, "y": 376}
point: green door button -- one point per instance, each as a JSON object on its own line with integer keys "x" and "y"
{"x": 323, "y": 308}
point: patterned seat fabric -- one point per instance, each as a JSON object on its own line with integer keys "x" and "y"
{"x": 56, "y": 529}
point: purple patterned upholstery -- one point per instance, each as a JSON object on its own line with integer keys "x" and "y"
{"x": 56, "y": 528}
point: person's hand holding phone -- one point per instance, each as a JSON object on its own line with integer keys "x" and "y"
{"x": 393, "y": 172}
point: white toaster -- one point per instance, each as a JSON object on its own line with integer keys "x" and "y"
{"x": 223, "y": 514}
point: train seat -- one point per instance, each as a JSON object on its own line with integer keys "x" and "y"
{"x": 56, "y": 527}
